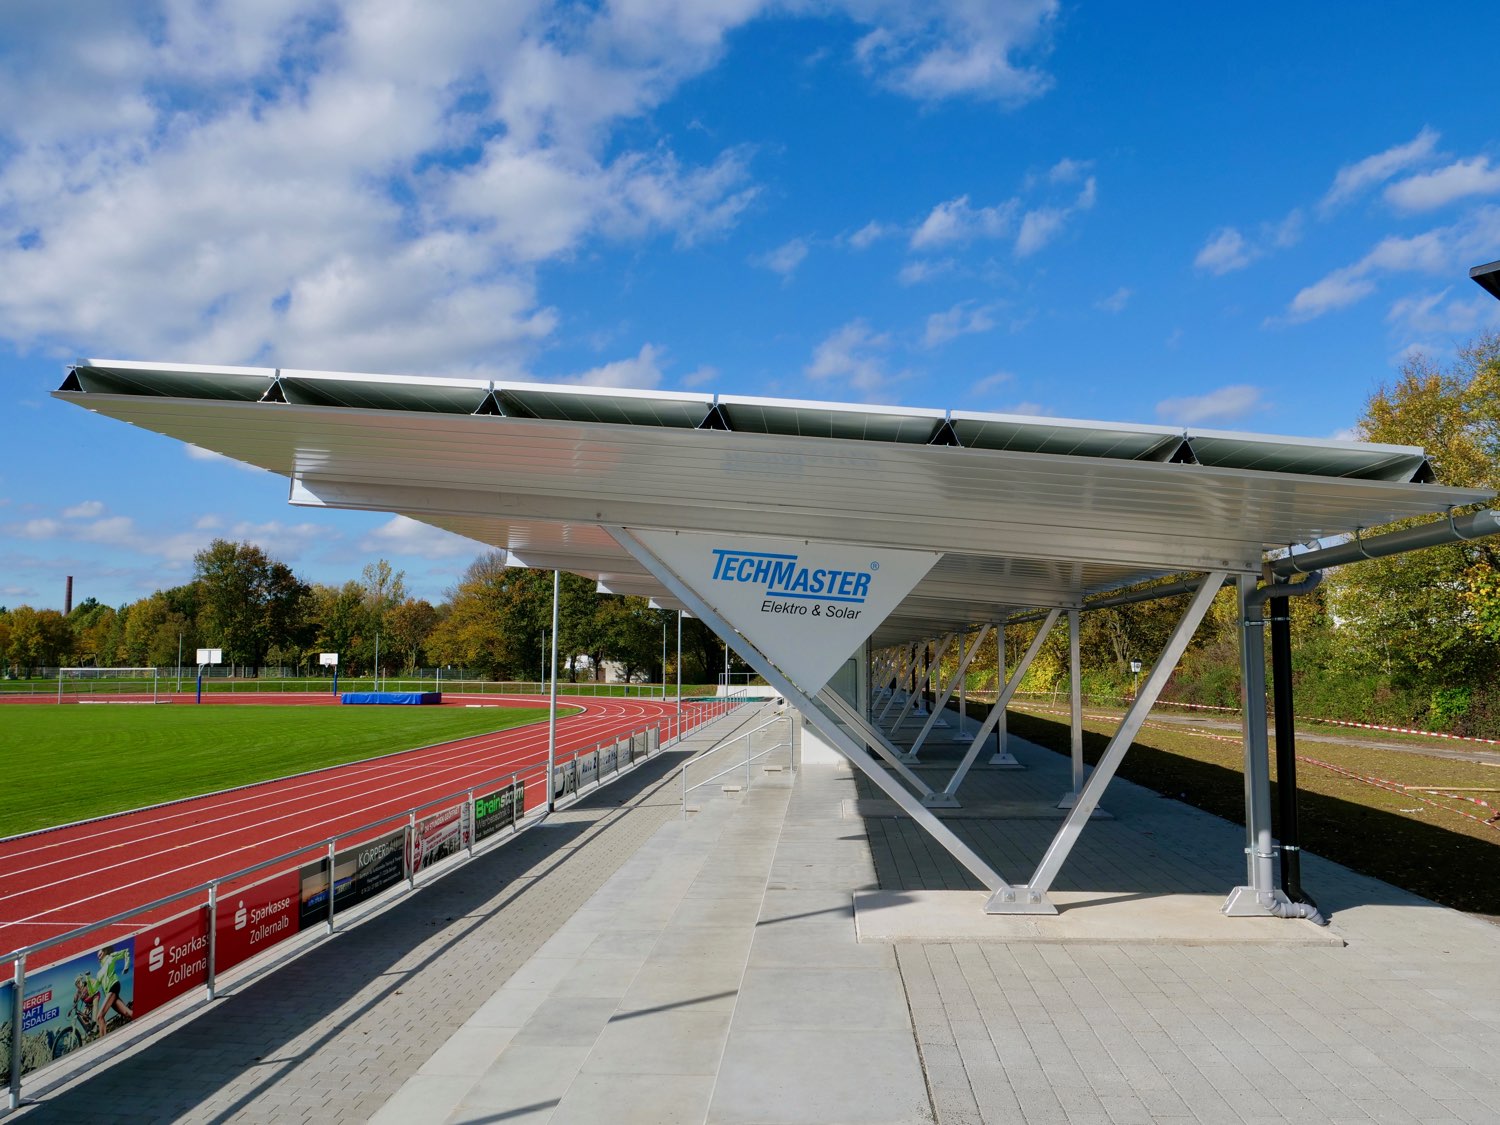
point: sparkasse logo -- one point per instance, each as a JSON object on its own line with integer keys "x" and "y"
{"x": 785, "y": 576}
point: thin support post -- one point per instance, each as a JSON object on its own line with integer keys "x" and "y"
{"x": 813, "y": 711}
{"x": 919, "y": 661}
{"x": 1075, "y": 714}
{"x": 330, "y": 887}
{"x": 875, "y": 740}
{"x": 209, "y": 976}
{"x": 901, "y": 661}
{"x": 552, "y": 701}
{"x": 1259, "y": 893}
{"x": 941, "y": 701}
{"x": 1002, "y": 700}
{"x": 1033, "y": 897}
{"x": 1003, "y": 757}
{"x": 17, "y": 1000}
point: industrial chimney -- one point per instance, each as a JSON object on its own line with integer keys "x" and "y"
{"x": 68, "y": 598}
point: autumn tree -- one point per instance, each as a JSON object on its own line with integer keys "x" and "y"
{"x": 250, "y": 601}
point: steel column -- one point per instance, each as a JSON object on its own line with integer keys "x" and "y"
{"x": 1259, "y": 893}
{"x": 1002, "y": 757}
{"x": 916, "y": 688}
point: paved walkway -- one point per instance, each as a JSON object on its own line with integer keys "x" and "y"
{"x": 629, "y": 965}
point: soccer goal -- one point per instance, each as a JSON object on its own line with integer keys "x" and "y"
{"x": 108, "y": 685}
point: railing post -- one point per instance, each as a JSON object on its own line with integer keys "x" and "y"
{"x": 17, "y": 1000}
{"x": 408, "y": 853}
{"x": 515, "y": 813}
{"x": 469, "y": 812}
{"x": 330, "y": 887}
{"x": 213, "y": 941}
{"x": 749, "y": 746}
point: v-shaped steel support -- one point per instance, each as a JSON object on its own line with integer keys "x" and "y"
{"x": 1032, "y": 898}
{"x": 1002, "y": 701}
{"x": 947, "y": 694}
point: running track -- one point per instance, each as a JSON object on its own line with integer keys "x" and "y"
{"x": 55, "y": 881}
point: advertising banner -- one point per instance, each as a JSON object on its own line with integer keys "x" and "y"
{"x": 499, "y": 809}
{"x": 611, "y": 760}
{"x": 252, "y": 919}
{"x": 174, "y": 959}
{"x": 438, "y": 836}
{"x": 636, "y": 749}
{"x": 358, "y": 874}
{"x": 805, "y": 605}
{"x": 588, "y": 769}
{"x": 69, "y": 1005}
{"x": 565, "y": 780}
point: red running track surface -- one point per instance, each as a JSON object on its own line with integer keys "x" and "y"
{"x": 55, "y": 881}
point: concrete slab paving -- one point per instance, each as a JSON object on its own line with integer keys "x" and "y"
{"x": 1082, "y": 916}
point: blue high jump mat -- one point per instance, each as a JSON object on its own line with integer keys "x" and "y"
{"x": 404, "y": 698}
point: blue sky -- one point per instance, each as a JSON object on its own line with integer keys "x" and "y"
{"x": 1211, "y": 217}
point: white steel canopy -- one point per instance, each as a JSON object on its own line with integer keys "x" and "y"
{"x": 1028, "y": 512}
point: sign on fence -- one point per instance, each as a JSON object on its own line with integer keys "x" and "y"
{"x": 69, "y": 1005}
{"x": 438, "y": 836}
{"x": 499, "y": 809}
{"x": 252, "y": 919}
{"x": 358, "y": 873}
{"x": 588, "y": 769}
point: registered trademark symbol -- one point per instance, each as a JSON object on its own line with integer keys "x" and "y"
{"x": 874, "y": 566}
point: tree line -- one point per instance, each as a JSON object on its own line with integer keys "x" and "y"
{"x": 261, "y": 614}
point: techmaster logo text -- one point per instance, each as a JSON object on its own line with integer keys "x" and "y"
{"x": 785, "y": 576}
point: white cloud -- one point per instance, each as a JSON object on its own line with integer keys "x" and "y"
{"x": 785, "y": 258}
{"x": 869, "y": 234}
{"x": 699, "y": 377}
{"x": 1226, "y": 404}
{"x": 86, "y": 510}
{"x": 919, "y": 270}
{"x": 942, "y": 50}
{"x": 1031, "y": 410}
{"x": 1436, "y": 313}
{"x": 1429, "y": 190}
{"x": 961, "y": 320}
{"x": 1116, "y": 301}
{"x": 1066, "y": 170}
{"x": 1225, "y": 251}
{"x": 1038, "y": 228}
{"x": 990, "y": 383}
{"x": 854, "y": 354}
{"x": 1440, "y": 251}
{"x": 643, "y": 372}
{"x": 407, "y": 537}
{"x": 1376, "y": 169}
{"x": 955, "y": 222}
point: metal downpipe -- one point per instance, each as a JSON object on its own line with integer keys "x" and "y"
{"x": 1278, "y": 600}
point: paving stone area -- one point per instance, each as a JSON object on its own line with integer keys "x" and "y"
{"x": 333, "y": 1035}
{"x": 1402, "y": 1024}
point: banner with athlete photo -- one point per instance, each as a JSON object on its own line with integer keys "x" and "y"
{"x": 69, "y": 1005}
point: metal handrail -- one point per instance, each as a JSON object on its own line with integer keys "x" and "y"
{"x": 686, "y": 788}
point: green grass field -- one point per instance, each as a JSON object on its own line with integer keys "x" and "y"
{"x": 62, "y": 764}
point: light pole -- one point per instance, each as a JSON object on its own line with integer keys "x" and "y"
{"x": 679, "y": 665}
{"x": 552, "y": 700}
{"x": 663, "y": 661}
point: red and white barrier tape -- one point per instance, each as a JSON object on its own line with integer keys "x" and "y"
{"x": 1408, "y": 730}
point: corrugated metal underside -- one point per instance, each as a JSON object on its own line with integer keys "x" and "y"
{"x": 1029, "y": 512}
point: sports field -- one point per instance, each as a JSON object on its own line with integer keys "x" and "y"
{"x": 62, "y": 764}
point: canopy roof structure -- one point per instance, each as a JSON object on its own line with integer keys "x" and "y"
{"x": 1028, "y": 512}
